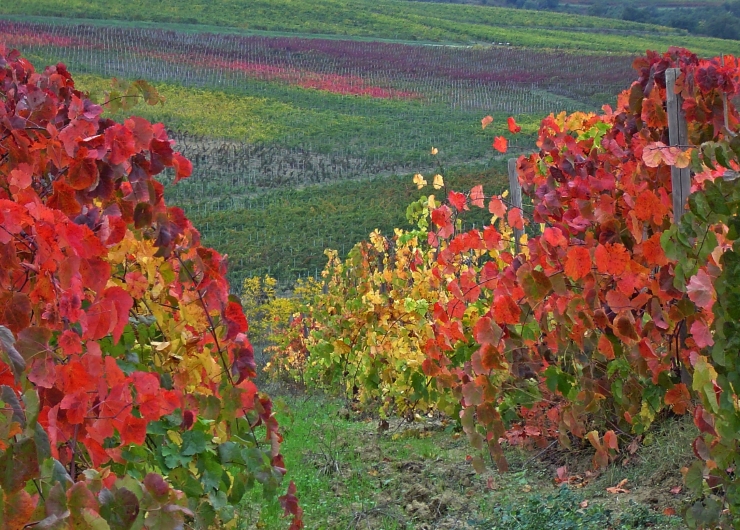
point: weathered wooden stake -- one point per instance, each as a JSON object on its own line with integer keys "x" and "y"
{"x": 678, "y": 135}
{"x": 515, "y": 189}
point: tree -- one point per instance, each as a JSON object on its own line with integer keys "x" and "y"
{"x": 722, "y": 26}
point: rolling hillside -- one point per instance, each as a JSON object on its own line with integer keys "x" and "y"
{"x": 389, "y": 19}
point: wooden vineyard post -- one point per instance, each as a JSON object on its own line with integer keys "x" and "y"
{"x": 678, "y": 135}
{"x": 516, "y": 199}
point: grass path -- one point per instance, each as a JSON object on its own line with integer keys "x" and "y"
{"x": 351, "y": 475}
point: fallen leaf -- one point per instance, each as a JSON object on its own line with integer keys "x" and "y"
{"x": 669, "y": 511}
{"x": 562, "y": 474}
{"x": 584, "y": 504}
{"x": 485, "y": 122}
{"x": 619, "y": 488}
{"x": 676, "y": 490}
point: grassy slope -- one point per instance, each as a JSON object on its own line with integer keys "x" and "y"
{"x": 391, "y": 19}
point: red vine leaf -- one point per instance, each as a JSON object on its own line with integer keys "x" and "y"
{"x": 477, "y": 197}
{"x": 577, "y": 263}
{"x": 513, "y": 127}
{"x": 183, "y": 167}
{"x": 506, "y": 310}
{"x": 606, "y": 347}
{"x": 678, "y": 398}
{"x": 701, "y": 290}
{"x": 611, "y": 258}
{"x": 514, "y": 218}
{"x": 133, "y": 431}
{"x": 497, "y": 207}
{"x": 458, "y": 200}
{"x": 701, "y": 334}
{"x": 500, "y": 144}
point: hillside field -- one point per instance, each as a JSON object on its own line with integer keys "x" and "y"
{"x": 264, "y": 113}
{"x": 391, "y": 19}
{"x": 260, "y": 114}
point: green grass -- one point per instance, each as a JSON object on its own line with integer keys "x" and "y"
{"x": 415, "y": 475}
{"x": 390, "y": 19}
{"x": 285, "y": 232}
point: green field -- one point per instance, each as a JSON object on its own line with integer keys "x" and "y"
{"x": 391, "y": 19}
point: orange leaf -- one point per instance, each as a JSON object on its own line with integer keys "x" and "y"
{"x": 653, "y": 252}
{"x": 183, "y": 167}
{"x": 500, "y": 144}
{"x": 497, "y": 207}
{"x": 506, "y": 310}
{"x": 477, "y": 197}
{"x": 485, "y": 122}
{"x": 610, "y": 440}
{"x": 606, "y": 348}
{"x": 514, "y": 218}
{"x": 555, "y": 237}
{"x": 648, "y": 205}
{"x": 653, "y": 112}
{"x": 678, "y": 398}
{"x": 619, "y": 488}
{"x": 624, "y": 327}
{"x": 133, "y": 431}
{"x": 513, "y": 127}
{"x": 577, "y": 263}
{"x": 611, "y": 258}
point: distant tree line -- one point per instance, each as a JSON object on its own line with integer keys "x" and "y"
{"x": 717, "y": 21}
{"x": 722, "y": 22}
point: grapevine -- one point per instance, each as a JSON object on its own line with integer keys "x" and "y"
{"x": 126, "y": 372}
